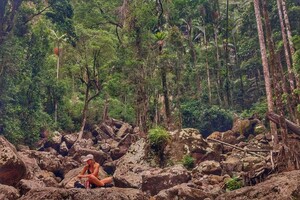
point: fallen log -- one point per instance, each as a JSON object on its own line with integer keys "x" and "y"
{"x": 290, "y": 125}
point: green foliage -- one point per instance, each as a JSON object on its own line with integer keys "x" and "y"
{"x": 233, "y": 184}
{"x": 158, "y": 138}
{"x": 121, "y": 111}
{"x": 160, "y": 35}
{"x": 188, "y": 161}
{"x": 205, "y": 118}
{"x": 296, "y": 56}
{"x": 260, "y": 108}
{"x": 61, "y": 14}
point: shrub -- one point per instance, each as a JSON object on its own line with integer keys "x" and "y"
{"x": 204, "y": 118}
{"x": 233, "y": 184}
{"x": 188, "y": 162}
{"x": 260, "y": 108}
{"x": 158, "y": 138}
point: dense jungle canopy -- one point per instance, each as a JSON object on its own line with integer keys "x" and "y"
{"x": 68, "y": 64}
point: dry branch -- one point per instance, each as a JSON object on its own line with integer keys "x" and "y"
{"x": 238, "y": 148}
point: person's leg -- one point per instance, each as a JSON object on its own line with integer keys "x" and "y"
{"x": 100, "y": 183}
{"x": 94, "y": 180}
{"x": 107, "y": 180}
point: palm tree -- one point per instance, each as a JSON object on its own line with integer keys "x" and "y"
{"x": 58, "y": 40}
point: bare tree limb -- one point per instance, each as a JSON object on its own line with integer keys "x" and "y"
{"x": 238, "y": 148}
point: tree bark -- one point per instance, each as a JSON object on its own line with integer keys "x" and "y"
{"x": 218, "y": 85}
{"x": 290, "y": 125}
{"x": 91, "y": 80}
{"x": 193, "y": 57}
{"x": 285, "y": 44}
{"x": 295, "y": 97}
{"x": 165, "y": 93}
{"x": 274, "y": 65}
{"x": 237, "y": 63}
{"x": 289, "y": 35}
{"x": 207, "y": 69}
{"x": 265, "y": 66}
{"x": 288, "y": 26}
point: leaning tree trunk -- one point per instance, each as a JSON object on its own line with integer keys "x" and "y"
{"x": 265, "y": 67}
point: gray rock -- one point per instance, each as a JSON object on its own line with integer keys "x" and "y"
{"x": 80, "y": 194}
{"x": 12, "y": 168}
{"x": 159, "y": 179}
{"x": 284, "y": 186}
{"x": 8, "y": 193}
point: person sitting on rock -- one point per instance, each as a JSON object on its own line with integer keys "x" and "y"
{"x": 92, "y": 170}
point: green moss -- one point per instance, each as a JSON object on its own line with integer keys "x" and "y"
{"x": 233, "y": 184}
{"x": 188, "y": 162}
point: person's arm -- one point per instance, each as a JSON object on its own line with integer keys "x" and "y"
{"x": 82, "y": 173}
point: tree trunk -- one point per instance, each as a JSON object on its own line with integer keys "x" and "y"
{"x": 207, "y": 69}
{"x": 237, "y": 63}
{"x": 290, "y": 100}
{"x": 105, "y": 109}
{"x": 57, "y": 77}
{"x": 276, "y": 71}
{"x": 286, "y": 47}
{"x": 291, "y": 45}
{"x": 218, "y": 85}
{"x": 288, "y": 26}
{"x": 91, "y": 80}
{"x": 141, "y": 95}
{"x": 290, "y": 125}
{"x": 227, "y": 78}
{"x": 194, "y": 57}
{"x": 165, "y": 94}
{"x": 265, "y": 67}
{"x": 84, "y": 113}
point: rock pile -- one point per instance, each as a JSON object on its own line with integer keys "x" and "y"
{"x": 50, "y": 172}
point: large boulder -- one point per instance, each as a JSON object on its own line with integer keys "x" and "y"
{"x": 183, "y": 191}
{"x": 132, "y": 166}
{"x": 155, "y": 180}
{"x": 188, "y": 142}
{"x": 12, "y": 168}
{"x": 123, "y": 146}
{"x": 244, "y": 126}
{"x": 54, "y": 140}
{"x": 208, "y": 167}
{"x": 8, "y": 192}
{"x": 284, "y": 186}
{"x": 50, "y": 193}
{"x": 70, "y": 139}
{"x": 26, "y": 185}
